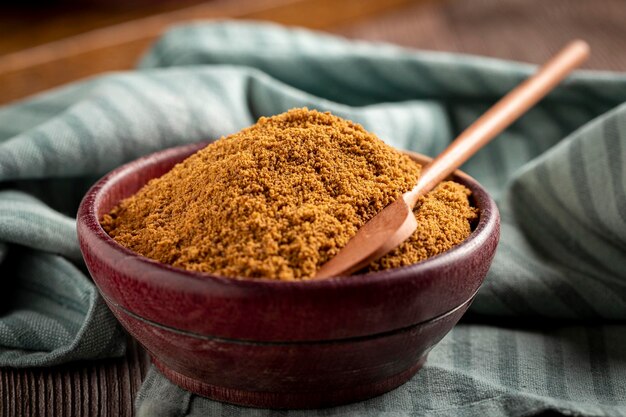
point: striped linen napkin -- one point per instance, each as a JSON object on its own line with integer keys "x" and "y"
{"x": 547, "y": 331}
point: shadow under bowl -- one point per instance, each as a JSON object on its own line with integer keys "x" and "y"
{"x": 265, "y": 343}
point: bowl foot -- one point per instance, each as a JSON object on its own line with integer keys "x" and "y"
{"x": 289, "y": 399}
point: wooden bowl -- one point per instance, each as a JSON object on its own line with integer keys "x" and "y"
{"x": 265, "y": 343}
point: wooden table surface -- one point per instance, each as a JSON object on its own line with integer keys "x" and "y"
{"x": 526, "y": 30}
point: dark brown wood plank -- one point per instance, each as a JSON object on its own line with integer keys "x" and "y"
{"x": 25, "y": 25}
{"x": 119, "y": 47}
{"x": 96, "y": 388}
{"x": 525, "y": 30}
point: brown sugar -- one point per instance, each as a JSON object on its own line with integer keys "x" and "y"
{"x": 278, "y": 199}
{"x": 444, "y": 219}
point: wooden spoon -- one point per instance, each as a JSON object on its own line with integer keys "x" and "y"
{"x": 396, "y": 222}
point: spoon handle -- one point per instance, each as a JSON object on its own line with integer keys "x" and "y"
{"x": 499, "y": 117}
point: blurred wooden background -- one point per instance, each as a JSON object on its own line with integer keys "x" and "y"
{"x": 46, "y": 46}
{"x": 42, "y": 47}
{"x": 66, "y": 49}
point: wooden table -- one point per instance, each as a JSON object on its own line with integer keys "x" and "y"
{"x": 118, "y": 47}
{"x": 527, "y": 30}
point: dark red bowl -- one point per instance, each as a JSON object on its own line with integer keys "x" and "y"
{"x": 275, "y": 344}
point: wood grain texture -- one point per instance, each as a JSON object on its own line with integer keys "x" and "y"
{"x": 119, "y": 47}
{"x": 24, "y": 25}
{"x": 523, "y": 30}
{"x": 98, "y": 388}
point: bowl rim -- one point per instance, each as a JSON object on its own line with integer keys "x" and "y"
{"x": 87, "y": 219}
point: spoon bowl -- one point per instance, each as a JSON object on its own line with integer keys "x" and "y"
{"x": 388, "y": 231}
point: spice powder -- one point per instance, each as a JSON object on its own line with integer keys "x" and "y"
{"x": 280, "y": 198}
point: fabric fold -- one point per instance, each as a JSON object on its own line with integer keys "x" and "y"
{"x": 51, "y": 313}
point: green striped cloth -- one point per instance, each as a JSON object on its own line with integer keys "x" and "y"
{"x": 546, "y": 332}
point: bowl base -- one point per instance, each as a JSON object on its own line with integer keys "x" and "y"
{"x": 288, "y": 399}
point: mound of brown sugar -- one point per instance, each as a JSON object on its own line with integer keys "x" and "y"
{"x": 278, "y": 199}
